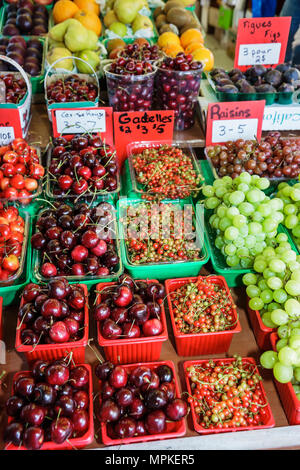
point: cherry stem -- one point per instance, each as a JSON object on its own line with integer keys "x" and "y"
{"x": 94, "y": 351}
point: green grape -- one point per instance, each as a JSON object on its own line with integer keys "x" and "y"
{"x": 279, "y": 317}
{"x": 281, "y": 237}
{"x": 278, "y": 217}
{"x": 291, "y": 221}
{"x": 253, "y": 291}
{"x": 258, "y": 248}
{"x": 239, "y": 220}
{"x": 282, "y": 373}
{"x": 227, "y": 180}
{"x": 212, "y": 202}
{"x": 277, "y": 265}
{"x": 230, "y": 249}
{"x": 224, "y": 223}
{"x": 245, "y": 177}
{"x": 290, "y": 209}
{"x": 260, "y": 237}
{"x": 250, "y": 241}
{"x": 246, "y": 208}
{"x": 295, "y": 331}
{"x": 255, "y": 228}
{"x": 219, "y": 242}
{"x": 294, "y": 341}
{"x": 208, "y": 191}
{"x": 287, "y": 356}
{"x": 274, "y": 282}
{"x": 215, "y": 223}
{"x": 220, "y": 192}
{"x": 266, "y": 319}
{"x": 280, "y": 296}
{"x": 294, "y": 265}
{"x": 295, "y": 276}
{"x": 268, "y": 274}
{"x": 269, "y": 225}
{"x": 221, "y": 211}
{"x": 242, "y": 252}
{"x": 292, "y": 307}
{"x": 296, "y": 387}
{"x": 231, "y": 233}
{"x": 262, "y": 284}
{"x": 257, "y": 217}
{"x": 295, "y": 194}
{"x": 281, "y": 343}
{"x": 276, "y": 204}
{"x": 297, "y": 375}
{"x": 243, "y": 187}
{"x": 246, "y": 263}
{"x": 273, "y": 306}
{"x": 292, "y": 287}
{"x": 262, "y": 183}
{"x": 265, "y": 209}
{"x": 260, "y": 265}
{"x": 249, "y": 279}
{"x": 255, "y": 195}
{"x": 288, "y": 256}
{"x": 236, "y": 198}
{"x": 255, "y": 303}
{"x": 269, "y": 252}
{"x": 232, "y": 211}
{"x": 266, "y": 296}
{"x": 268, "y": 359}
{"x": 283, "y": 331}
{"x": 244, "y": 231}
{"x": 232, "y": 261}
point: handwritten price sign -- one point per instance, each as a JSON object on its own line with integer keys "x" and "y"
{"x": 70, "y": 121}
{"x": 10, "y": 125}
{"x": 261, "y": 41}
{"x": 234, "y": 120}
{"x": 141, "y": 126}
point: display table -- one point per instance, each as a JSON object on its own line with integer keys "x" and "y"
{"x": 244, "y": 344}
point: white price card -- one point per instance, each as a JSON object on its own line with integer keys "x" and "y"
{"x": 252, "y": 54}
{"x": 281, "y": 118}
{"x": 77, "y": 121}
{"x": 7, "y": 135}
{"x": 233, "y": 129}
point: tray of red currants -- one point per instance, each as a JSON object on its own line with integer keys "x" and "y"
{"x": 234, "y": 400}
{"x": 21, "y": 172}
{"x": 203, "y": 315}
{"x": 163, "y": 170}
{"x": 77, "y": 241}
{"x": 131, "y": 320}
{"x": 83, "y": 166}
{"x": 139, "y": 403}
{"x": 50, "y": 407}
{"x": 53, "y": 321}
{"x": 274, "y": 157}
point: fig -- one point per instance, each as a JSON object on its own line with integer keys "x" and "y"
{"x": 265, "y": 88}
{"x": 273, "y": 77}
{"x": 220, "y": 76}
{"x": 291, "y": 75}
{"x": 282, "y": 67}
{"x": 227, "y": 89}
{"x": 286, "y": 88}
{"x": 244, "y": 86}
{"x": 216, "y": 71}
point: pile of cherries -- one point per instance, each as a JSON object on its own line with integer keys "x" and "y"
{"x": 166, "y": 172}
{"x": 130, "y": 309}
{"x": 76, "y": 240}
{"x": 272, "y": 157}
{"x": 71, "y": 89}
{"x": 15, "y": 87}
{"x": 227, "y": 394}
{"x": 28, "y": 54}
{"x": 20, "y": 171}
{"x": 202, "y": 307}
{"x": 130, "y": 84}
{"x": 50, "y": 403}
{"x": 177, "y": 87}
{"x": 12, "y": 229}
{"x": 156, "y": 243}
{"x": 53, "y": 314}
{"x": 144, "y": 52}
{"x": 26, "y": 18}
{"x": 81, "y": 166}
{"x": 138, "y": 401}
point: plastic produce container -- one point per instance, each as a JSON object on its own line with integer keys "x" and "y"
{"x": 174, "y": 429}
{"x": 89, "y": 281}
{"x": 3, "y": 18}
{"x": 137, "y": 147}
{"x": 188, "y": 86}
{"x": 161, "y": 271}
{"x": 270, "y": 98}
{"x": 269, "y": 419}
{"x": 261, "y": 332}
{"x": 202, "y": 343}
{"x": 287, "y": 394}
{"x": 121, "y": 88}
{"x": 72, "y": 443}
{"x": 126, "y": 351}
{"x": 50, "y": 352}
{"x": 1, "y": 318}
{"x": 110, "y": 196}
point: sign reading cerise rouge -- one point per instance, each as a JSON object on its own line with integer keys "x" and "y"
{"x": 70, "y": 121}
{"x": 261, "y": 41}
{"x": 234, "y": 120}
{"x": 10, "y": 126}
{"x": 137, "y": 126}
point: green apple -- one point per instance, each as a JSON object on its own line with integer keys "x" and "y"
{"x": 118, "y": 28}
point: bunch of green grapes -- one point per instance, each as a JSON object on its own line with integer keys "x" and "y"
{"x": 276, "y": 280}
{"x": 290, "y": 195}
{"x": 244, "y": 218}
{"x": 285, "y": 361}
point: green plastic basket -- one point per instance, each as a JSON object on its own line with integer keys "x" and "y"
{"x": 233, "y": 276}
{"x": 161, "y": 271}
{"x": 36, "y": 277}
{"x": 11, "y": 294}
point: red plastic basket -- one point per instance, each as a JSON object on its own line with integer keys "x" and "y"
{"x": 269, "y": 419}
{"x": 127, "y": 351}
{"x": 287, "y": 394}
{"x": 261, "y": 332}
{"x": 202, "y": 343}
{"x": 174, "y": 429}
{"x": 50, "y": 352}
{"x": 1, "y": 318}
{"x": 74, "y": 443}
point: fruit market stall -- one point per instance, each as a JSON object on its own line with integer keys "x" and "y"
{"x": 171, "y": 342}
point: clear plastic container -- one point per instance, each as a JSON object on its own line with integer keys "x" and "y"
{"x": 138, "y": 147}
{"x": 99, "y": 195}
{"x": 130, "y": 92}
{"x": 179, "y": 91}
{"x": 36, "y": 259}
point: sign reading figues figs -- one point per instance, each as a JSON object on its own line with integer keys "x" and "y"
{"x": 261, "y": 41}
{"x": 234, "y": 120}
{"x": 139, "y": 126}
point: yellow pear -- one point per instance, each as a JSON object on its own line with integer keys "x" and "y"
{"x": 58, "y": 31}
{"x": 59, "y": 53}
{"x": 109, "y": 18}
{"x": 141, "y": 22}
